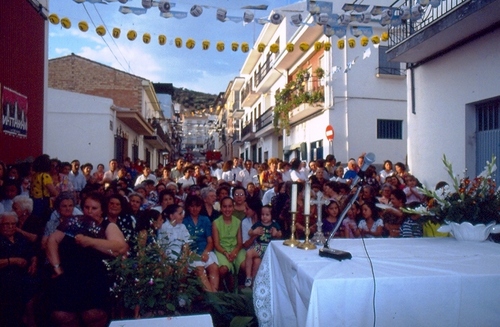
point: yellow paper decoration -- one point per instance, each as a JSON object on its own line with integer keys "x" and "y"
{"x": 54, "y": 19}
{"x": 384, "y": 36}
{"x": 245, "y": 47}
{"x": 364, "y": 41}
{"x": 318, "y": 45}
{"x": 65, "y": 22}
{"x": 162, "y": 39}
{"x": 352, "y": 42}
{"x": 190, "y": 43}
{"x": 304, "y": 46}
{"x": 83, "y": 26}
{"x": 131, "y": 35}
{"x": 274, "y": 48}
{"x": 220, "y": 46}
{"x": 146, "y": 38}
{"x": 290, "y": 47}
{"x": 205, "y": 44}
{"x": 340, "y": 44}
{"x": 116, "y": 32}
{"x": 261, "y": 47}
{"x": 178, "y": 42}
{"x": 375, "y": 39}
{"x": 328, "y": 46}
{"x": 100, "y": 30}
{"x": 234, "y": 46}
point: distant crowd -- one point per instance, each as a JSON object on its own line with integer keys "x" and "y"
{"x": 60, "y": 220}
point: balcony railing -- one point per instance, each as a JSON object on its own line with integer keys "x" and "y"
{"x": 429, "y": 16}
{"x": 247, "y": 130}
{"x": 265, "y": 119}
{"x": 390, "y": 71}
{"x": 264, "y": 70}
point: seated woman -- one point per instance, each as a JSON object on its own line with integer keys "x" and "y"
{"x": 118, "y": 212}
{"x": 18, "y": 265}
{"x": 65, "y": 207}
{"x": 200, "y": 229}
{"x": 79, "y": 291}
{"x": 226, "y": 233}
{"x": 28, "y": 225}
{"x": 209, "y": 196}
{"x": 393, "y": 216}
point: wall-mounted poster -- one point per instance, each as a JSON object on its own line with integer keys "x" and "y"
{"x": 14, "y": 113}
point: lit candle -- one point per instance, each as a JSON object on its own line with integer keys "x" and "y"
{"x": 307, "y": 199}
{"x": 294, "y": 198}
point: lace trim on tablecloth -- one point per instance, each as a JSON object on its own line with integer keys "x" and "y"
{"x": 262, "y": 298}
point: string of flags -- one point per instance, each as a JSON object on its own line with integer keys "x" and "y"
{"x": 364, "y": 33}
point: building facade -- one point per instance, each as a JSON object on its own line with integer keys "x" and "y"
{"x": 135, "y": 126}
{"x": 452, "y": 52}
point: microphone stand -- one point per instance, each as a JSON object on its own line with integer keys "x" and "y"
{"x": 339, "y": 254}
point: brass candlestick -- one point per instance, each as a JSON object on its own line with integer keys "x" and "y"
{"x": 306, "y": 245}
{"x": 292, "y": 242}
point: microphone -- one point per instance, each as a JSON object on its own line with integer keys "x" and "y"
{"x": 339, "y": 254}
{"x": 368, "y": 160}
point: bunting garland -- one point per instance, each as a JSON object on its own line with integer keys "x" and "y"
{"x": 340, "y": 31}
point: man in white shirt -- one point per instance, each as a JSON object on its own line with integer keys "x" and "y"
{"x": 177, "y": 171}
{"x": 271, "y": 193}
{"x": 188, "y": 179}
{"x": 248, "y": 175}
{"x": 235, "y": 170}
{"x": 76, "y": 177}
{"x": 146, "y": 174}
{"x": 112, "y": 173}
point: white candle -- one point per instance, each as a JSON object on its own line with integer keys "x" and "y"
{"x": 307, "y": 199}
{"x": 294, "y": 198}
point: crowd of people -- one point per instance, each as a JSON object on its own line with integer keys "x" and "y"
{"x": 59, "y": 222}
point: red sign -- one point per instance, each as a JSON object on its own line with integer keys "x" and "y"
{"x": 329, "y": 133}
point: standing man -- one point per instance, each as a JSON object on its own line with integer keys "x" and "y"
{"x": 112, "y": 173}
{"x": 235, "y": 171}
{"x": 177, "y": 171}
{"x": 76, "y": 177}
{"x": 146, "y": 174}
{"x": 248, "y": 175}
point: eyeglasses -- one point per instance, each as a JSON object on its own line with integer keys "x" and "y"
{"x": 239, "y": 194}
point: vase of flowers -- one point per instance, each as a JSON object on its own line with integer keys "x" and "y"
{"x": 469, "y": 210}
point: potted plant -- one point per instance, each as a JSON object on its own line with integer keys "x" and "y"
{"x": 469, "y": 209}
{"x": 152, "y": 283}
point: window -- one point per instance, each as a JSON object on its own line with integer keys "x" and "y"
{"x": 389, "y": 129}
{"x": 488, "y": 116}
{"x": 385, "y": 67}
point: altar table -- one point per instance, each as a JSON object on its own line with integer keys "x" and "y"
{"x": 417, "y": 282}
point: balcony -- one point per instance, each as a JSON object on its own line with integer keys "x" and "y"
{"x": 135, "y": 120}
{"x": 159, "y": 140}
{"x": 441, "y": 29}
{"x": 304, "y": 110}
{"x": 248, "y": 131}
{"x": 248, "y": 95}
{"x": 264, "y": 120}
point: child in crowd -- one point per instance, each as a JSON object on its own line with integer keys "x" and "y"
{"x": 411, "y": 191}
{"x": 350, "y": 221}
{"x": 266, "y": 229}
{"x": 332, "y": 212}
{"x": 411, "y": 227}
{"x": 371, "y": 225}
{"x": 173, "y": 233}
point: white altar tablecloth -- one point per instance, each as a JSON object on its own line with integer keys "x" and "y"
{"x": 418, "y": 282}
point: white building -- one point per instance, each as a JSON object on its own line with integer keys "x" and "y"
{"x": 453, "y": 96}
{"x": 366, "y": 104}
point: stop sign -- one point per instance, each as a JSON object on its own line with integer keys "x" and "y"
{"x": 329, "y": 133}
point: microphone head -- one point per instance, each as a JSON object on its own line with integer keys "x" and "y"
{"x": 368, "y": 160}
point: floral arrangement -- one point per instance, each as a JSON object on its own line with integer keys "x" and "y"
{"x": 471, "y": 200}
{"x": 153, "y": 282}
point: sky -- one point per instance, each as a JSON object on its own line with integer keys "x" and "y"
{"x": 207, "y": 71}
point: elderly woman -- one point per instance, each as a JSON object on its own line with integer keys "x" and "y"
{"x": 28, "y": 225}
{"x": 18, "y": 264}
{"x": 209, "y": 196}
{"x": 65, "y": 207}
{"x": 118, "y": 212}
{"x": 76, "y": 251}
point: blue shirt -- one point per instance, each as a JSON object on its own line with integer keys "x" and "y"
{"x": 199, "y": 232}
